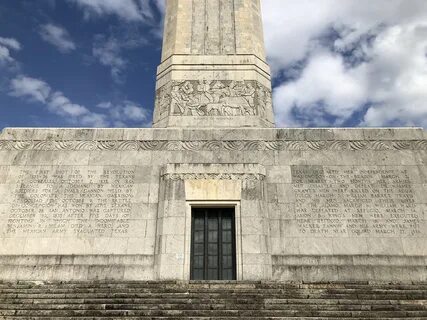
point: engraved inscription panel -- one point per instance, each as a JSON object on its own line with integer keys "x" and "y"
{"x": 4, "y": 170}
{"x": 355, "y": 202}
{"x": 90, "y": 201}
{"x": 308, "y": 174}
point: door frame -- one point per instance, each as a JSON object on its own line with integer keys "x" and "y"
{"x": 238, "y": 233}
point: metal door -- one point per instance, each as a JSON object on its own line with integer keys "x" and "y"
{"x": 213, "y": 244}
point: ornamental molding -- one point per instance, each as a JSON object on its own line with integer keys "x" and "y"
{"x": 213, "y": 176}
{"x": 211, "y": 145}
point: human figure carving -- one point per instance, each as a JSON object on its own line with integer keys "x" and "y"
{"x": 179, "y": 99}
{"x": 216, "y": 98}
{"x": 205, "y": 88}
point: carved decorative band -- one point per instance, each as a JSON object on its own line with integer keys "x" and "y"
{"x": 213, "y": 98}
{"x": 213, "y": 176}
{"x": 230, "y": 145}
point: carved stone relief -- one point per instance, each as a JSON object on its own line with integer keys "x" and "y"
{"x": 213, "y": 176}
{"x": 214, "y": 98}
{"x": 200, "y": 145}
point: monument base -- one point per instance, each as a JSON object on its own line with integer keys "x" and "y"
{"x": 309, "y": 204}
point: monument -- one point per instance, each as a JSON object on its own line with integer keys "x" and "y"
{"x": 213, "y": 191}
{"x": 213, "y": 71}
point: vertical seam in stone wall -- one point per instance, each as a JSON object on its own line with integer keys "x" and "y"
{"x": 220, "y": 44}
{"x": 241, "y": 236}
{"x": 166, "y": 39}
{"x": 157, "y": 243}
{"x": 174, "y": 47}
{"x": 192, "y": 26}
{"x": 234, "y": 26}
{"x": 205, "y": 31}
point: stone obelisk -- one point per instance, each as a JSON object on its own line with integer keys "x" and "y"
{"x": 213, "y": 71}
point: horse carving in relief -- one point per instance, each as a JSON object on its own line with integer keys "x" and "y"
{"x": 208, "y": 98}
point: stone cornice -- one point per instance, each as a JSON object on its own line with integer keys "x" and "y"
{"x": 213, "y": 176}
{"x": 248, "y": 171}
{"x": 212, "y": 145}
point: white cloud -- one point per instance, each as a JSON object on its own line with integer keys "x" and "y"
{"x": 58, "y": 37}
{"x": 109, "y": 115}
{"x": 38, "y": 91}
{"x": 398, "y": 72}
{"x": 338, "y": 58}
{"x": 325, "y": 88}
{"x": 5, "y": 55}
{"x": 146, "y": 10}
{"x": 96, "y": 120}
{"x": 61, "y": 105}
{"x": 10, "y": 43}
{"x": 105, "y": 105}
{"x": 127, "y": 10}
{"x": 161, "y": 5}
{"x": 110, "y": 52}
{"x": 125, "y": 112}
{"x": 7, "y": 44}
{"x": 55, "y": 101}
{"x": 31, "y": 88}
{"x": 134, "y": 112}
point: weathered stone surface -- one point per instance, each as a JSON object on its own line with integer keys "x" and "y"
{"x": 309, "y": 204}
{"x": 227, "y": 300}
{"x": 127, "y": 193}
{"x": 213, "y": 71}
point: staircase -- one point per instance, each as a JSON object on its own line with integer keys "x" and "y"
{"x": 213, "y": 300}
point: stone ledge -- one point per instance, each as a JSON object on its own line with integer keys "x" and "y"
{"x": 197, "y": 134}
{"x": 76, "y": 272}
{"x": 342, "y": 273}
{"x": 212, "y": 145}
{"x": 49, "y": 260}
{"x": 196, "y": 168}
{"x": 214, "y": 60}
{"x": 77, "y": 267}
{"x": 348, "y": 260}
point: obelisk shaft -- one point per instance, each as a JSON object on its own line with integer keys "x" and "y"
{"x": 213, "y": 71}
{"x": 213, "y": 27}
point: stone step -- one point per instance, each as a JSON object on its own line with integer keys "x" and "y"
{"x": 214, "y": 313}
{"x": 217, "y": 286}
{"x": 210, "y": 290}
{"x": 201, "y": 318}
{"x": 194, "y": 318}
{"x": 268, "y": 303}
{"x": 202, "y": 300}
{"x": 214, "y": 284}
{"x": 146, "y": 298}
{"x": 216, "y": 306}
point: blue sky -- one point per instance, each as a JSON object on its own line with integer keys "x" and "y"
{"x": 98, "y": 61}
{"x": 72, "y": 63}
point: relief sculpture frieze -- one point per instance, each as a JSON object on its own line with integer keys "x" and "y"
{"x": 214, "y": 98}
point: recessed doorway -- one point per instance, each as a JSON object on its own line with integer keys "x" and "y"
{"x": 213, "y": 244}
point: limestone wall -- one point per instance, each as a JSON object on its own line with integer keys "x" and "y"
{"x": 311, "y": 204}
{"x": 214, "y": 27}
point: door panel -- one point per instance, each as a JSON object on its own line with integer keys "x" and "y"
{"x": 213, "y": 246}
